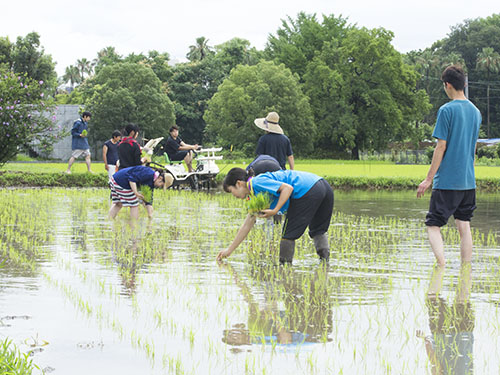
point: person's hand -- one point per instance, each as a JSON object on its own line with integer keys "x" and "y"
{"x": 106, "y": 167}
{"x": 424, "y": 185}
{"x": 223, "y": 254}
{"x": 140, "y": 196}
{"x": 266, "y": 213}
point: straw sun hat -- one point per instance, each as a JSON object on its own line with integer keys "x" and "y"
{"x": 270, "y": 123}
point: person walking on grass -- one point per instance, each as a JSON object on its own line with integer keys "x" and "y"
{"x": 110, "y": 152}
{"x": 124, "y": 189}
{"x": 306, "y": 198}
{"x": 452, "y": 167}
{"x": 79, "y": 142}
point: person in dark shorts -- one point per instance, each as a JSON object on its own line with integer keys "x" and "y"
{"x": 306, "y": 198}
{"x": 177, "y": 150}
{"x": 452, "y": 167}
{"x": 274, "y": 142}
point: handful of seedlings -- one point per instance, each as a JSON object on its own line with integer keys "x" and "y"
{"x": 84, "y": 132}
{"x": 258, "y": 202}
{"x": 147, "y": 192}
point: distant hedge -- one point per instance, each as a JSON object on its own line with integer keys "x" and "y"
{"x": 28, "y": 179}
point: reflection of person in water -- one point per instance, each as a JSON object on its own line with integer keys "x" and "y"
{"x": 296, "y": 309}
{"x": 450, "y": 345}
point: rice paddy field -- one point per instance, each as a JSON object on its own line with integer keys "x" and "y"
{"x": 85, "y": 295}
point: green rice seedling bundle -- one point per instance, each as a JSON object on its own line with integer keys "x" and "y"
{"x": 147, "y": 192}
{"x": 84, "y": 132}
{"x": 258, "y": 202}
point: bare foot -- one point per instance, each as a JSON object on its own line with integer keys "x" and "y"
{"x": 67, "y": 171}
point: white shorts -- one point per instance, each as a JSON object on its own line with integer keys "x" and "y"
{"x": 78, "y": 152}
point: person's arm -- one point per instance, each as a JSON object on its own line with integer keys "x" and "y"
{"x": 285, "y": 191}
{"x": 104, "y": 156}
{"x": 133, "y": 187}
{"x": 240, "y": 236}
{"x": 291, "y": 162}
{"x": 437, "y": 158}
{"x": 186, "y": 147}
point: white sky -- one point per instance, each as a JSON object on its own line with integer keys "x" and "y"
{"x": 71, "y": 30}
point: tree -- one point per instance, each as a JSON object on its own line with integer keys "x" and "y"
{"x": 105, "y": 57}
{"x": 124, "y": 93}
{"x": 362, "y": 94}
{"x": 24, "y": 115}
{"x": 72, "y": 75}
{"x": 489, "y": 61}
{"x": 200, "y": 50}
{"x": 84, "y": 68}
{"x": 27, "y": 56}
{"x": 298, "y": 41}
{"x": 251, "y": 92}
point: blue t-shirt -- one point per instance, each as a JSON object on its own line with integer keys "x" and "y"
{"x": 112, "y": 153}
{"x": 458, "y": 124}
{"x": 139, "y": 174}
{"x": 270, "y": 182}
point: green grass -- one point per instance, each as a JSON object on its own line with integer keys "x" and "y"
{"x": 12, "y": 361}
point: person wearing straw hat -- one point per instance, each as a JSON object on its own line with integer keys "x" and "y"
{"x": 274, "y": 142}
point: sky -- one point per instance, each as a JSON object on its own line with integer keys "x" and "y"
{"x": 71, "y": 30}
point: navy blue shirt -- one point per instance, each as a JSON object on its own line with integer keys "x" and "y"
{"x": 139, "y": 174}
{"x": 112, "y": 153}
{"x": 276, "y": 145}
{"x": 77, "y": 142}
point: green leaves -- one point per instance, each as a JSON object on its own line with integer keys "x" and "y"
{"x": 258, "y": 202}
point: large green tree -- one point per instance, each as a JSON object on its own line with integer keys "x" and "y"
{"x": 251, "y": 92}
{"x": 124, "y": 93}
{"x": 27, "y": 56}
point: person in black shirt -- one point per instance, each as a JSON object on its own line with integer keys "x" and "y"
{"x": 274, "y": 142}
{"x": 129, "y": 151}
{"x": 177, "y": 150}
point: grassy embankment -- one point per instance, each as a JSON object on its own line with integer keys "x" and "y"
{"x": 341, "y": 174}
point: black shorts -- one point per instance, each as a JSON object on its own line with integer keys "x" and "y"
{"x": 444, "y": 203}
{"x": 314, "y": 209}
{"x": 178, "y": 156}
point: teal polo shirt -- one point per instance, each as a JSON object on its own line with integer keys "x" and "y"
{"x": 270, "y": 182}
{"x": 458, "y": 124}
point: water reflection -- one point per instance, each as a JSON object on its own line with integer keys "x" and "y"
{"x": 295, "y": 310}
{"x": 450, "y": 345}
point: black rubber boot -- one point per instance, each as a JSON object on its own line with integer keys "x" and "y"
{"x": 287, "y": 249}
{"x": 322, "y": 248}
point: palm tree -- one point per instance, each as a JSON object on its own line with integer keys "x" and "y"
{"x": 85, "y": 67}
{"x": 72, "y": 75}
{"x": 199, "y": 51}
{"x": 488, "y": 60}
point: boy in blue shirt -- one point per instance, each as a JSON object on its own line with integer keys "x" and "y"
{"x": 452, "y": 167}
{"x": 79, "y": 141}
{"x": 306, "y": 198}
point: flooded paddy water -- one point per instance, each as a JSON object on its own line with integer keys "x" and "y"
{"x": 84, "y": 295}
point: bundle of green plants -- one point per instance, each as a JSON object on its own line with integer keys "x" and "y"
{"x": 84, "y": 132}
{"x": 147, "y": 192}
{"x": 12, "y": 361}
{"x": 258, "y": 202}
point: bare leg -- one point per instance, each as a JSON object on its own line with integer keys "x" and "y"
{"x": 437, "y": 245}
{"x": 149, "y": 210}
{"x": 70, "y": 163}
{"x": 188, "y": 160}
{"x": 87, "y": 161}
{"x": 113, "y": 211}
{"x": 464, "y": 283}
{"x": 134, "y": 212}
{"x": 465, "y": 240}
{"x": 436, "y": 282}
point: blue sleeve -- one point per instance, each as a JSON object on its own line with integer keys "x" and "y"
{"x": 289, "y": 151}
{"x": 442, "y": 128}
{"x": 75, "y": 130}
{"x": 263, "y": 183}
{"x": 143, "y": 176}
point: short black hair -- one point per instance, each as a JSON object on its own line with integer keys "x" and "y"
{"x": 86, "y": 114}
{"x": 116, "y": 133}
{"x": 234, "y": 175}
{"x": 455, "y": 76}
{"x": 130, "y": 128}
{"x": 172, "y": 128}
